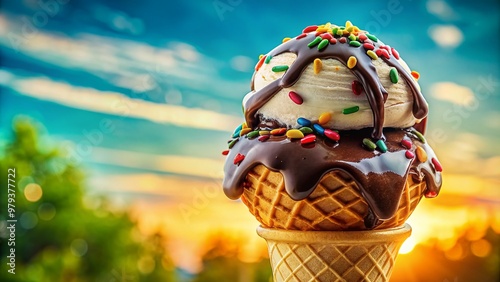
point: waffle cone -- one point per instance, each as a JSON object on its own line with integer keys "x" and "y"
{"x": 333, "y": 255}
{"x": 335, "y": 204}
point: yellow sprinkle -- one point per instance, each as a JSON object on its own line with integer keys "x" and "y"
{"x": 352, "y": 62}
{"x": 294, "y": 134}
{"x": 350, "y": 29}
{"x": 345, "y": 32}
{"x": 322, "y": 29}
{"x": 286, "y": 39}
{"x": 339, "y": 32}
{"x": 356, "y": 29}
{"x": 260, "y": 56}
{"x": 348, "y": 24}
{"x": 328, "y": 25}
{"x": 245, "y": 131}
{"x": 372, "y": 54}
{"x": 264, "y": 132}
{"x": 324, "y": 118}
{"x": 244, "y": 125}
{"x": 421, "y": 154}
{"x": 317, "y": 65}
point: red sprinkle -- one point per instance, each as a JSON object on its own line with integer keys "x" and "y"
{"x": 238, "y": 159}
{"x": 310, "y": 28}
{"x": 260, "y": 62}
{"x": 368, "y": 46}
{"x": 406, "y": 143}
{"x": 326, "y": 36}
{"x": 384, "y": 47}
{"x": 409, "y": 155}
{"x": 301, "y": 36}
{"x": 333, "y": 41}
{"x": 395, "y": 53}
{"x": 382, "y": 52}
{"x": 362, "y": 37}
{"x": 296, "y": 98}
{"x": 263, "y": 138}
{"x": 437, "y": 165}
{"x": 333, "y": 135}
{"x": 342, "y": 40}
{"x": 225, "y": 152}
{"x": 430, "y": 194}
{"x": 357, "y": 88}
{"x": 310, "y": 138}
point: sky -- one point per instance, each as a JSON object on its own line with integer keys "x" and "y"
{"x": 145, "y": 94}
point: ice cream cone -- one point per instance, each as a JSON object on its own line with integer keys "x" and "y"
{"x": 333, "y": 255}
{"x": 335, "y": 204}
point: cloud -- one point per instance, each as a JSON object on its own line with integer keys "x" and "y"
{"x": 118, "y": 104}
{"x": 446, "y": 36}
{"x": 441, "y": 9}
{"x": 452, "y": 92}
{"x": 242, "y": 63}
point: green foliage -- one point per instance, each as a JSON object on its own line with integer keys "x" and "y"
{"x": 59, "y": 238}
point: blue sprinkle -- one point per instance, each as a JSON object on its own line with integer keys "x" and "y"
{"x": 237, "y": 131}
{"x": 319, "y": 129}
{"x": 304, "y": 122}
{"x": 381, "y": 145}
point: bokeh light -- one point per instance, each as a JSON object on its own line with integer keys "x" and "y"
{"x": 33, "y": 192}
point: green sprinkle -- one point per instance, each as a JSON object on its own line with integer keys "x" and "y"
{"x": 350, "y": 110}
{"x": 381, "y": 145}
{"x": 369, "y": 144}
{"x": 279, "y": 68}
{"x": 393, "y": 73}
{"x": 372, "y": 37}
{"x": 253, "y": 134}
{"x": 334, "y": 30}
{"x": 420, "y": 136}
{"x": 339, "y": 32}
{"x": 314, "y": 42}
{"x": 354, "y": 43}
{"x": 268, "y": 59}
{"x": 352, "y": 37}
{"x": 306, "y": 130}
{"x": 323, "y": 44}
{"x": 231, "y": 144}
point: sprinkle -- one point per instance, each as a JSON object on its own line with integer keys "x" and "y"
{"x": 382, "y": 53}
{"x": 409, "y": 155}
{"x": 314, "y": 42}
{"x": 333, "y": 41}
{"x": 303, "y": 121}
{"x": 278, "y": 131}
{"x": 421, "y": 154}
{"x": 259, "y": 63}
{"x": 260, "y": 56}
{"x": 253, "y": 134}
{"x": 352, "y": 37}
{"x": 311, "y": 138}
{"x": 385, "y": 47}
{"x": 225, "y": 152}
{"x": 351, "y": 62}
{"x": 326, "y": 36}
{"x": 245, "y": 131}
{"x": 342, "y": 40}
{"x": 296, "y": 98}
{"x": 321, "y": 30}
{"x": 279, "y": 68}
{"x": 356, "y": 87}
{"x": 264, "y": 132}
{"x": 332, "y": 135}
{"x": 310, "y": 28}
{"x": 430, "y": 194}
{"x": 368, "y": 46}
{"x": 369, "y": 144}
{"x": 244, "y": 125}
{"x": 306, "y": 130}
{"x": 319, "y": 129}
{"x": 300, "y": 36}
{"x": 415, "y": 74}
{"x": 406, "y": 143}
{"x": 354, "y": 43}
{"x": 350, "y": 110}
{"x": 236, "y": 132}
{"x": 268, "y": 59}
{"x": 238, "y": 159}
{"x": 231, "y": 144}
{"x": 437, "y": 165}
{"x": 285, "y": 39}
{"x": 294, "y": 134}
{"x": 263, "y": 138}
{"x": 372, "y": 54}
{"x": 362, "y": 37}
{"x": 393, "y": 74}
{"x": 419, "y": 135}
{"x": 395, "y": 53}
{"x": 348, "y": 24}
{"x": 322, "y": 45}
{"x": 334, "y": 30}
{"x": 381, "y": 145}
{"x": 317, "y": 65}
{"x": 324, "y": 118}
{"x": 372, "y": 37}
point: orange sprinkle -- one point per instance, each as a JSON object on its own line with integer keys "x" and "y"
{"x": 415, "y": 75}
{"x": 278, "y": 131}
{"x": 317, "y": 65}
{"x": 244, "y": 125}
{"x": 421, "y": 154}
{"x": 324, "y": 118}
{"x": 286, "y": 39}
{"x": 351, "y": 62}
{"x": 260, "y": 62}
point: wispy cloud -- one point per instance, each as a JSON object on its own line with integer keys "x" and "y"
{"x": 441, "y": 9}
{"x": 452, "y": 92}
{"x": 446, "y": 36}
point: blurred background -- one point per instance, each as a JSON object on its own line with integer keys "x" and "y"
{"x": 114, "y": 115}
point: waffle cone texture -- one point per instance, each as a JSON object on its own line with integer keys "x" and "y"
{"x": 335, "y": 204}
{"x": 333, "y": 255}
